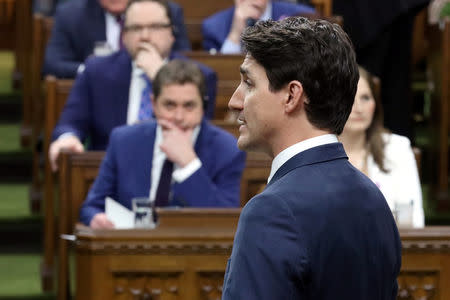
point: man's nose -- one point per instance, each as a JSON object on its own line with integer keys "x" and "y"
{"x": 178, "y": 114}
{"x": 236, "y": 100}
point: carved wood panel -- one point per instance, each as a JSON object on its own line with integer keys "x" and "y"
{"x": 146, "y": 285}
{"x": 418, "y": 285}
{"x": 210, "y": 284}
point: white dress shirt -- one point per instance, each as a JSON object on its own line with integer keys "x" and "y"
{"x": 228, "y": 47}
{"x": 179, "y": 174}
{"x": 112, "y": 31}
{"x": 137, "y": 85}
{"x": 289, "y": 152}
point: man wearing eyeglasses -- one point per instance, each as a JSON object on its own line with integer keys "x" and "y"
{"x": 83, "y": 28}
{"x": 115, "y": 90}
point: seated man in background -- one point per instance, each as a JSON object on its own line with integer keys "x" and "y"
{"x": 81, "y": 24}
{"x": 115, "y": 90}
{"x": 207, "y": 165}
{"x": 222, "y": 31}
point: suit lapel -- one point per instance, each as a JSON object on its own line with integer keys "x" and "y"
{"x": 144, "y": 156}
{"x": 311, "y": 156}
{"x": 120, "y": 89}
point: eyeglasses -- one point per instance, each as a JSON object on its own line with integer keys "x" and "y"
{"x": 151, "y": 27}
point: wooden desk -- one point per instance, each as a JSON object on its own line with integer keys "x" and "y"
{"x": 425, "y": 272}
{"x": 185, "y": 258}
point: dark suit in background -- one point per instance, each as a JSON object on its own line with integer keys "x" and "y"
{"x": 98, "y": 101}
{"x": 303, "y": 236}
{"x": 125, "y": 172}
{"x": 78, "y": 24}
{"x": 381, "y": 32}
{"x": 216, "y": 28}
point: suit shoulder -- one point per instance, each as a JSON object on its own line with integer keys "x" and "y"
{"x": 70, "y": 13}
{"x": 218, "y": 17}
{"x": 126, "y": 132}
{"x": 174, "y": 6}
{"x": 292, "y": 8}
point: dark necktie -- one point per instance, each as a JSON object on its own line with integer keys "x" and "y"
{"x": 162, "y": 193}
{"x": 145, "y": 107}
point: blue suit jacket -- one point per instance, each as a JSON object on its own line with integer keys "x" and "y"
{"x": 125, "y": 172}
{"x": 78, "y": 25}
{"x": 98, "y": 101}
{"x": 320, "y": 230}
{"x": 216, "y": 28}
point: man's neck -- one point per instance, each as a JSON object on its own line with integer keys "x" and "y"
{"x": 353, "y": 141}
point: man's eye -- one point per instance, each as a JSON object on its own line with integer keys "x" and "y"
{"x": 169, "y": 105}
{"x": 247, "y": 82}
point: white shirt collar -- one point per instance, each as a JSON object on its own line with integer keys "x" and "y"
{"x": 267, "y": 14}
{"x": 289, "y": 152}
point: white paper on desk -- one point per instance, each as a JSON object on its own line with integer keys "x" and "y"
{"x": 122, "y": 217}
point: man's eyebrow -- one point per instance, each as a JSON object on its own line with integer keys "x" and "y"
{"x": 244, "y": 71}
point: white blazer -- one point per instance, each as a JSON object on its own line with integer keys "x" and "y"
{"x": 401, "y": 185}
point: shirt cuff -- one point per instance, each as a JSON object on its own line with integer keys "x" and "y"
{"x": 182, "y": 174}
{"x": 66, "y": 134}
{"x": 81, "y": 68}
{"x": 229, "y": 47}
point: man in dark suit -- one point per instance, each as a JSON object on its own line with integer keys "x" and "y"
{"x": 80, "y": 24}
{"x": 382, "y": 34}
{"x": 320, "y": 229}
{"x": 222, "y": 30}
{"x": 115, "y": 90}
{"x": 207, "y": 164}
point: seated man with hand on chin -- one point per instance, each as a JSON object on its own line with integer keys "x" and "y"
{"x": 206, "y": 163}
{"x": 115, "y": 90}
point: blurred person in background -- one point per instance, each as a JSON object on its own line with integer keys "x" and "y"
{"x": 386, "y": 158}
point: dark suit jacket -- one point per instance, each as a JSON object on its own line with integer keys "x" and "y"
{"x": 320, "y": 230}
{"x": 125, "y": 172}
{"x": 98, "y": 101}
{"x": 78, "y": 25}
{"x": 365, "y": 19}
{"x": 216, "y": 28}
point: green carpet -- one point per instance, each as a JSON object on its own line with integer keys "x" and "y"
{"x": 9, "y": 138}
{"x": 14, "y": 201}
{"x": 19, "y": 274}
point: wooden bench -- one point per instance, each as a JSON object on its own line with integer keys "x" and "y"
{"x": 56, "y": 91}
{"x": 15, "y": 32}
{"x": 41, "y": 33}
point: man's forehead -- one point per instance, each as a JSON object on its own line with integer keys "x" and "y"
{"x": 251, "y": 67}
{"x": 180, "y": 92}
{"x": 147, "y": 11}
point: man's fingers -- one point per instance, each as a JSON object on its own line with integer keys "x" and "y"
{"x": 166, "y": 125}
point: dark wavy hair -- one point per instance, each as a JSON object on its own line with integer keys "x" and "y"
{"x": 316, "y": 53}
{"x": 374, "y": 133}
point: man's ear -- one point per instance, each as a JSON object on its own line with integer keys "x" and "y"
{"x": 294, "y": 96}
